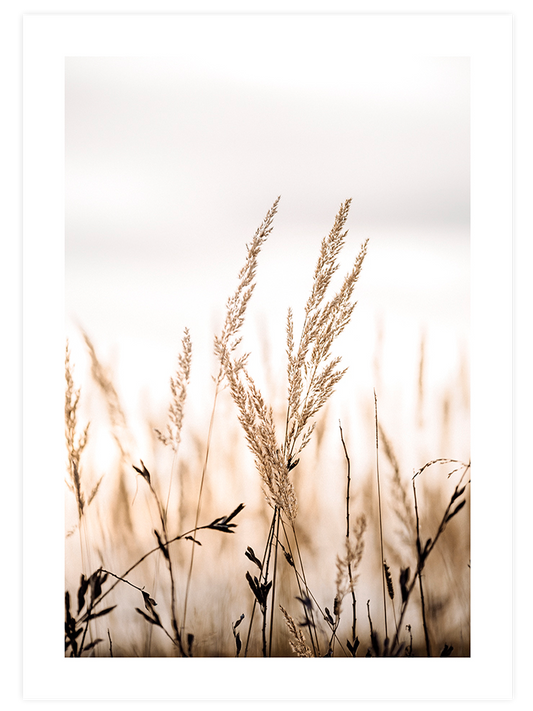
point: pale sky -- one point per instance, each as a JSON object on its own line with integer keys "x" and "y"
{"x": 172, "y": 163}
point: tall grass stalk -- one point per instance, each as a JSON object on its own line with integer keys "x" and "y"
{"x": 162, "y": 540}
{"x": 119, "y": 426}
{"x": 312, "y": 374}
{"x": 172, "y": 438}
{"x": 225, "y": 345}
{"x": 456, "y": 503}
{"x": 120, "y": 432}
{"x": 347, "y": 565}
{"x": 419, "y": 573}
{"x": 76, "y": 443}
{"x": 178, "y": 390}
{"x": 380, "y": 517}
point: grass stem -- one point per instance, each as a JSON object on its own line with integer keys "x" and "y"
{"x": 380, "y": 516}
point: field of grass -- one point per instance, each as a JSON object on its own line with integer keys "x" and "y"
{"x": 274, "y": 525}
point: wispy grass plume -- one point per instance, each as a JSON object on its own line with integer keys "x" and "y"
{"x": 313, "y": 374}
{"x": 178, "y": 389}
{"x": 75, "y": 441}
{"x": 236, "y": 305}
{"x": 312, "y": 371}
{"x": 101, "y": 376}
{"x": 297, "y": 640}
{"x": 227, "y": 342}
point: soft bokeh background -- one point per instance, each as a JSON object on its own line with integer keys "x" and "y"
{"x": 171, "y": 165}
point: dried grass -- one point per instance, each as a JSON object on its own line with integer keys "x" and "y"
{"x": 178, "y": 390}
{"x": 297, "y": 640}
{"x": 75, "y": 441}
{"x": 313, "y": 372}
{"x": 348, "y": 564}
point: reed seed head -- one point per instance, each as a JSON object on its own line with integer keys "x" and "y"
{"x": 75, "y": 442}
{"x": 178, "y": 389}
{"x": 297, "y": 640}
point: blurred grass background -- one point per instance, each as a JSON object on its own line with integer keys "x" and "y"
{"x": 420, "y": 422}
